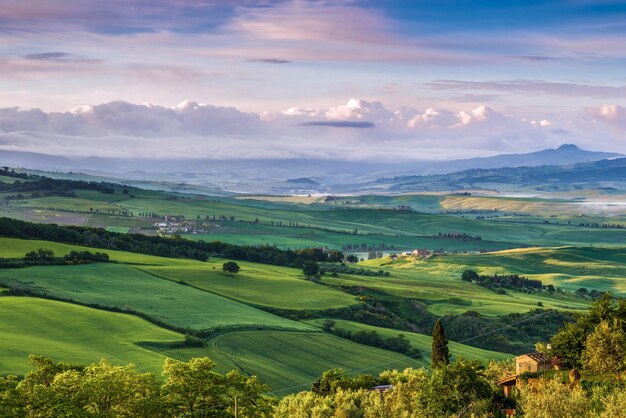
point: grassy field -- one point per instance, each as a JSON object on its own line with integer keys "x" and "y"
{"x": 372, "y": 216}
{"x": 437, "y": 286}
{"x": 602, "y": 269}
{"x": 69, "y": 332}
{"x": 290, "y": 361}
{"x": 255, "y": 284}
{"x": 420, "y": 341}
{"x": 125, "y": 287}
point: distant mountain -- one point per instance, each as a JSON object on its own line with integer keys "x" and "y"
{"x": 607, "y": 174}
{"x": 563, "y": 155}
{"x": 268, "y": 176}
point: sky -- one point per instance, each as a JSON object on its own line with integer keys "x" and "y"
{"x": 342, "y": 79}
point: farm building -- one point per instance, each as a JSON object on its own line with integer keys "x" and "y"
{"x": 532, "y": 362}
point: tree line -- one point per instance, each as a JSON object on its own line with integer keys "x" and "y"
{"x": 44, "y": 257}
{"x": 59, "y": 389}
{"x": 163, "y": 246}
{"x": 514, "y": 281}
{"x": 52, "y": 187}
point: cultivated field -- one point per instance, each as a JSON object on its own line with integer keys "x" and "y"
{"x": 65, "y": 331}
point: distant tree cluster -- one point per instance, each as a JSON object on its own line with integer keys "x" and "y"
{"x": 39, "y": 256}
{"x": 510, "y": 281}
{"x": 51, "y": 187}
{"x": 458, "y": 235}
{"x": 231, "y": 267}
{"x": 85, "y": 257}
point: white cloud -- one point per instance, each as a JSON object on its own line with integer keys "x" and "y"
{"x": 609, "y": 113}
{"x": 122, "y": 118}
{"x": 358, "y": 129}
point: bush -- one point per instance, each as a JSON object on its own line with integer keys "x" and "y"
{"x": 231, "y": 267}
{"x": 310, "y": 268}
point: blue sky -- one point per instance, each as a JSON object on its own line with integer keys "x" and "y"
{"x": 554, "y": 66}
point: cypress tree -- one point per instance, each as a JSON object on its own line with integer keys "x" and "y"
{"x": 441, "y": 353}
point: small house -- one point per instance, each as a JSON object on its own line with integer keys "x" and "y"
{"x": 526, "y": 363}
{"x": 533, "y": 362}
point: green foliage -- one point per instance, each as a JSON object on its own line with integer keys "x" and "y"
{"x": 470, "y": 276}
{"x": 457, "y": 389}
{"x": 231, "y": 267}
{"x": 41, "y": 255}
{"x": 440, "y": 352}
{"x": 85, "y": 257}
{"x": 572, "y": 339}
{"x": 105, "y": 390}
{"x": 605, "y": 349}
{"x": 310, "y": 268}
{"x": 553, "y": 399}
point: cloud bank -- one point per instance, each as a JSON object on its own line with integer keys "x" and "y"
{"x": 356, "y": 130}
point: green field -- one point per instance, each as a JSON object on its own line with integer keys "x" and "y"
{"x": 256, "y": 284}
{"x": 127, "y": 288}
{"x": 290, "y": 361}
{"x": 420, "y": 341}
{"x": 64, "y": 331}
{"x": 287, "y": 354}
{"x": 602, "y": 269}
{"x": 332, "y": 223}
{"x": 436, "y": 285}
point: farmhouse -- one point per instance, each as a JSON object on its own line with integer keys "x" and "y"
{"x": 532, "y": 362}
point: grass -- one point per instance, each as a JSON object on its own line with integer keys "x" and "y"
{"x": 68, "y": 332}
{"x": 602, "y": 269}
{"x": 261, "y": 285}
{"x": 255, "y": 284}
{"x": 128, "y": 288}
{"x": 420, "y": 341}
{"x": 436, "y": 285}
{"x": 290, "y": 361}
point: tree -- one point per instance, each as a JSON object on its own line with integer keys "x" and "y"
{"x": 550, "y": 289}
{"x": 191, "y": 386}
{"x": 335, "y": 256}
{"x": 470, "y": 276}
{"x": 351, "y": 258}
{"x": 310, "y": 268}
{"x": 440, "y": 351}
{"x": 230, "y": 267}
{"x": 553, "y": 399}
{"x": 605, "y": 350}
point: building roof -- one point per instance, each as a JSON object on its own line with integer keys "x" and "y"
{"x": 538, "y": 357}
{"x": 507, "y": 381}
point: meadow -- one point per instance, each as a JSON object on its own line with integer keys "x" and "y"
{"x": 420, "y": 341}
{"x": 288, "y": 361}
{"x": 332, "y": 222}
{"x": 231, "y": 312}
{"x": 64, "y": 331}
{"x": 128, "y": 288}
